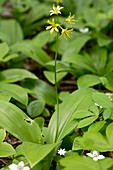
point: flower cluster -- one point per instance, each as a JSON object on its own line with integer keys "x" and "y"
{"x": 55, "y": 26}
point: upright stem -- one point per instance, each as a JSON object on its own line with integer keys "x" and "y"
{"x": 56, "y": 86}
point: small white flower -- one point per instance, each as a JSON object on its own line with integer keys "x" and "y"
{"x": 84, "y": 30}
{"x": 19, "y": 166}
{"x": 95, "y": 155}
{"x": 61, "y": 151}
{"x": 98, "y": 105}
{"x": 55, "y": 10}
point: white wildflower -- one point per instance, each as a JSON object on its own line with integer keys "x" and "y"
{"x": 95, "y": 155}
{"x": 61, "y": 151}
{"x": 84, "y": 30}
{"x": 19, "y": 166}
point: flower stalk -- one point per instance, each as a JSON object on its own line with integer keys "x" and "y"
{"x": 56, "y": 86}
{"x": 55, "y": 26}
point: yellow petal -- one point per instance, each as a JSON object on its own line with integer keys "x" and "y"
{"x": 56, "y": 29}
{"x": 48, "y": 27}
{"x": 51, "y": 31}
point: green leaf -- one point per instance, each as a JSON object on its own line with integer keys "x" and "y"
{"x": 79, "y": 99}
{"x": 9, "y": 57}
{"x": 46, "y": 112}
{"x": 15, "y": 91}
{"x": 12, "y": 29}
{"x": 40, "y": 121}
{"x": 109, "y": 64}
{"x": 31, "y": 50}
{"x": 83, "y": 162}
{"x": 87, "y": 121}
{"x": 107, "y": 163}
{"x": 18, "y": 123}
{"x": 35, "y": 108}
{"x": 80, "y": 61}
{"x": 80, "y": 163}
{"x": 107, "y": 113}
{"x": 102, "y": 100}
{"x": 110, "y": 14}
{"x": 51, "y": 76}
{"x": 42, "y": 38}
{"x": 99, "y": 57}
{"x": 79, "y": 114}
{"x": 42, "y": 90}
{"x": 75, "y": 46}
{"x": 88, "y": 80}
{"x": 109, "y": 133}
{"x": 2, "y": 135}
{"x": 92, "y": 141}
{"x": 103, "y": 40}
{"x": 107, "y": 80}
{"x": 5, "y": 97}
{"x": 35, "y": 152}
{"x": 13, "y": 75}
{"x": 95, "y": 127}
{"x": 108, "y": 85}
{"x": 3, "y": 37}
{"x": 38, "y": 12}
{"x": 4, "y": 49}
{"x": 6, "y": 150}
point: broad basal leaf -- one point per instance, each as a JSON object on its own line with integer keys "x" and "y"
{"x": 51, "y": 76}
{"x": 42, "y": 90}
{"x": 6, "y": 150}
{"x": 75, "y": 46}
{"x": 12, "y": 29}
{"x": 88, "y": 80}
{"x": 80, "y": 61}
{"x": 79, "y": 163}
{"x": 87, "y": 121}
{"x": 18, "y": 123}
{"x": 35, "y": 152}
{"x": 15, "y": 91}
{"x": 109, "y": 134}
{"x": 102, "y": 100}
{"x": 79, "y": 99}
{"x": 31, "y": 50}
{"x": 13, "y": 75}
{"x": 35, "y": 108}
{"x": 92, "y": 141}
{"x": 86, "y": 163}
{"x": 95, "y": 127}
{"x": 5, "y": 97}
{"x": 3, "y": 50}
{"x": 2, "y": 134}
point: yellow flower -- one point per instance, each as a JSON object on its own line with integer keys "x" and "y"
{"x": 66, "y": 33}
{"x": 55, "y": 10}
{"x": 53, "y": 26}
{"x": 70, "y": 19}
